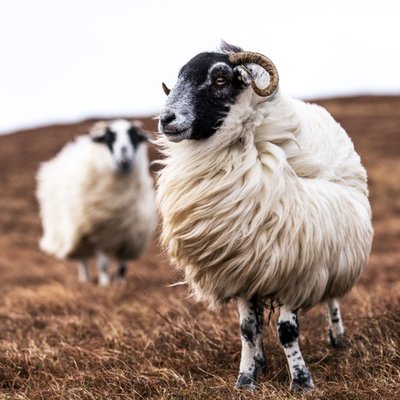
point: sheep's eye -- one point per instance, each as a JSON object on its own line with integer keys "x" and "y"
{"x": 220, "y": 81}
{"x": 109, "y": 136}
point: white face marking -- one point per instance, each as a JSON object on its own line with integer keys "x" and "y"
{"x": 123, "y": 152}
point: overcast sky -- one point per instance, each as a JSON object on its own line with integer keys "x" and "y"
{"x": 67, "y": 60}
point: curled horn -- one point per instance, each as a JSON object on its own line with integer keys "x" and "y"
{"x": 165, "y": 88}
{"x": 248, "y": 57}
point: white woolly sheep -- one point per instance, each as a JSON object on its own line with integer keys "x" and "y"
{"x": 263, "y": 198}
{"x": 96, "y": 198}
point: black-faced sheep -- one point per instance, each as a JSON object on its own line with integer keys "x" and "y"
{"x": 263, "y": 198}
{"x": 96, "y": 198}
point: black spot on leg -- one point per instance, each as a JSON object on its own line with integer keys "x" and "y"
{"x": 335, "y": 320}
{"x": 251, "y": 330}
{"x": 261, "y": 365}
{"x": 258, "y": 309}
{"x": 253, "y": 325}
{"x": 247, "y": 329}
{"x": 288, "y": 332}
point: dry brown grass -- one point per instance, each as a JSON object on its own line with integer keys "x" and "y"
{"x": 146, "y": 340}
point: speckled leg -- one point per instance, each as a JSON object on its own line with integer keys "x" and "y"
{"x": 102, "y": 266}
{"x": 336, "y": 329}
{"x": 288, "y": 331}
{"x": 252, "y": 362}
{"x": 83, "y": 271}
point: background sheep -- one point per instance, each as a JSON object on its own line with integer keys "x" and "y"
{"x": 96, "y": 199}
{"x": 263, "y": 198}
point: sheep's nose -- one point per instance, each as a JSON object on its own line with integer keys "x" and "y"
{"x": 167, "y": 118}
{"x": 124, "y": 166}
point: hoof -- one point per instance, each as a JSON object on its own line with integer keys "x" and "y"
{"x": 338, "y": 342}
{"x": 245, "y": 382}
{"x": 302, "y": 382}
{"x": 104, "y": 281}
{"x": 302, "y": 386}
{"x": 117, "y": 279}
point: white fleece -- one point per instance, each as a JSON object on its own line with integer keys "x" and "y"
{"x": 275, "y": 203}
{"x": 85, "y": 206}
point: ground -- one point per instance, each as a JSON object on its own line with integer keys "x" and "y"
{"x": 146, "y": 339}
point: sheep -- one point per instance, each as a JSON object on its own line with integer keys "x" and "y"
{"x": 263, "y": 199}
{"x": 96, "y": 198}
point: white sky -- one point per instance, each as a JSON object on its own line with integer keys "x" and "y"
{"x": 66, "y": 60}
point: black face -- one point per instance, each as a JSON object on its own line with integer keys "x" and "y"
{"x": 198, "y": 104}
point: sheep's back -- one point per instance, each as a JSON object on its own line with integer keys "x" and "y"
{"x": 322, "y": 142}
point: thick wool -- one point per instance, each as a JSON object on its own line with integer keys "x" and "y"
{"x": 85, "y": 206}
{"x": 275, "y": 203}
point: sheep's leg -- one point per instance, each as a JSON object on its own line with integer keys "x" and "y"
{"x": 336, "y": 329}
{"x": 261, "y": 362}
{"x": 288, "y": 331}
{"x": 83, "y": 271}
{"x": 120, "y": 274}
{"x": 252, "y": 361}
{"x": 102, "y": 267}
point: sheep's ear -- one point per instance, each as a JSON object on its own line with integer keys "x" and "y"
{"x": 143, "y": 134}
{"x": 242, "y": 75}
{"x": 143, "y": 138}
{"x": 137, "y": 123}
{"x": 97, "y": 131}
{"x": 227, "y": 48}
{"x": 98, "y": 139}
